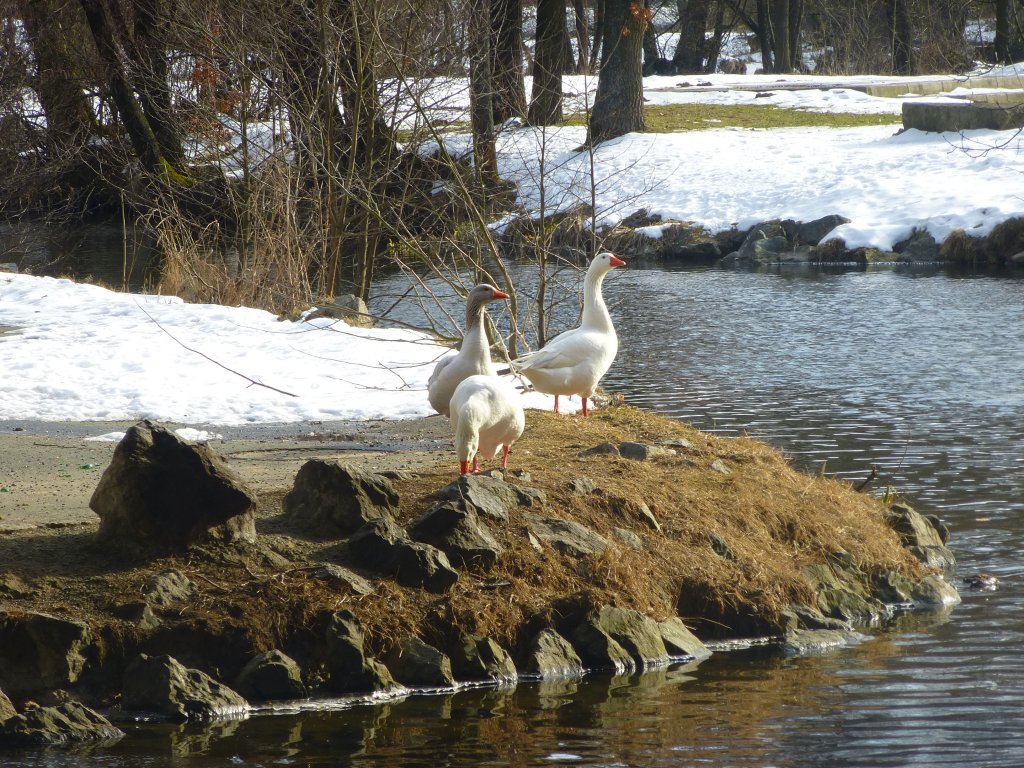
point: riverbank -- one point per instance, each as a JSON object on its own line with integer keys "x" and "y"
{"x": 605, "y": 530}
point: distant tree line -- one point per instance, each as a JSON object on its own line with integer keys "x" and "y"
{"x": 115, "y": 106}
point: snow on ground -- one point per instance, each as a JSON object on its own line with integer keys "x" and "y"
{"x": 80, "y": 352}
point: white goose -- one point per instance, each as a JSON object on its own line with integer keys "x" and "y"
{"x": 486, "y": 415}
{"x": 573, "y": 362}
{"x": 474, "y": 355}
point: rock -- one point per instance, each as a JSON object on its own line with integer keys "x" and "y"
{"x": 920, "y": 536}
{"x": 567, "y": 536}
{"x": 492, "y": 497}
{"x": 643, "y": 452}
{"x": 7, "y": 709}
{"x": 919, "y": 247}
{"x": 349, "y": 669}
{"x": 338, "y": 498}
{"x": 415, "y": 663}
{"x": 604, "y": 449}
{"x": 347, "y": 307}
{"x": 720, "y": 546}
{"x": 636, "y": 509}
{"x": 802, "y": 642}
{"x": 680, "y": 641}
{"x": 628, "y": 537}
{"x": 638, "y": 635}
{"x": 14, "y": 587}
{"x": 802, "y": 617}
{"x": 582, "y": 486}
{"x": 934, "y": 591}
{"x": 481, "y": 658}
{"x": 343, "y": 576}
{"x": 550, "y": 655}
{"x": 161, "y": 493}
{"x": 384, "y": 547}
{"x": 61, "y": 726}
{"x": 138, "y": 612}
{"x": 842, "y": 595}
{"x": 271, "y": 676}
{"x": 163, "y": 687}
{"x": 720, "y": 467}
{"x": 41, "y": 652}
{"x": 678, "y": 444}
{"x": 167, "y": 588}
{"x": 813, "y": 232}
{"x": 456, "y": 529}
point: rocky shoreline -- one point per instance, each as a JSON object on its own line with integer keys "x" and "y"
{"x": 774, "y": 242}
{"x": 626, "y": 541}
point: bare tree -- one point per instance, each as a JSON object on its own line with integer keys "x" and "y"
{"x": 548, "y": 63}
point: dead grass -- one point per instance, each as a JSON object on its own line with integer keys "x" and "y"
{"x": 775, "y": 520}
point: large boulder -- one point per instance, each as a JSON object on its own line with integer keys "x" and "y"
{"x": 161, "y": 493}
{"x": 680, "y": 641}
{"x": 61, "y": 726}
{"x": 925, "y": 537}
{"x": 491, "y": 496}
{"x": 7, "y": 709}
{"x": 567, "y": 536}
{"x": 41, "y": 652}
{"x": 337, "y": 498}
{"x": 163, "y": 687}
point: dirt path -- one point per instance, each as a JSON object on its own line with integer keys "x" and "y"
{"x": 48, "y": 471}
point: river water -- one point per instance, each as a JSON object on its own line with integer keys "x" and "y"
{"x": 917, "y": 372}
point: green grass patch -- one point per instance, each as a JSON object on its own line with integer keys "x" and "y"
{"x": 672, "y": 118}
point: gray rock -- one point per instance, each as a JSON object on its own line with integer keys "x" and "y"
{"x": 7, "y": 709}
{"x": 721, "y": 546}
{"x": 415, "y": 663}
{"x": 597, "y": 636}
{"x": 347, "y": 307}
{"x": 802, "y": 642}
{"x": 13, "y": 586}
{"x": 338, "y": 498}
{"x": 720, "y": 467}
{"x": 552, "y": 656}
{"x": 628, "y": 537}
{"x": 161, "y": 493}
{"x": 339, "y": 575}
{"x": 841, "y": 594}
{"x": 65, "y": 725}
{"x": 678, "y": 444}
{"x": 167, "y": 588}
{"x": 604, "y": 449}
{"x": 680, "y": 641}
{"x": 583, "y": 486}
{"x": 492, "y": 497}
{"x": 271, "y": 676}
{"x": 802, "y": 617}
{"x": 349, "y": 669}
{"x": 138, "y": 612}
{"x": 634, "y": 451}
{"x": 567, "y": 536}
{"x": 481, "y": 658}
{"x": 920, "y": 536}
{"x": 813, "y": 232}
{"x": 163, "y": 687}
{"x": 41, "y": 652}
{"x": 383, "y": 546}
{"x": 455, "y": 528}
{"x": 919, "y": 247}
{"x": 933, "y": 591}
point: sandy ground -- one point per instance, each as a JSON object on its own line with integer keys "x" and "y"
{"x": 48, "y": 471}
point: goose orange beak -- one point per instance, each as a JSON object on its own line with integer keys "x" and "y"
{"x": 500, "y": 294}
{"x": 615, "y": 261}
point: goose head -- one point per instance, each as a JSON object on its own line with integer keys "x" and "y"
{"x": 605, "y": 262}
{"x": 479, "y": 297}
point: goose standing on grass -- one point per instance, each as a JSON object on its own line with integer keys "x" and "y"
{"x": 573, "y": 362}
{"x": 486, "y": 415}
{"x": 474, "y": 355}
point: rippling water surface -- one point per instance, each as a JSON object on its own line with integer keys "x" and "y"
{"x": 918, "y": 373}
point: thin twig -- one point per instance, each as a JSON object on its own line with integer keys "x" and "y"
{"x": 207, "y": 357}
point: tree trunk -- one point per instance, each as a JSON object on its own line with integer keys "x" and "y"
{"x": 690, "y": 50}
{"x": 70, "y": 122}
{"x": 582, "y": 36}
{"x": 548, "y": 63}
{"x": 481, "y": 91}
{"x": 1009, "y": 42}
{"x": 140, "y": 132}
{"x": 778, "y": 17}
{"x": 595, "y": 50}
{"x": 713, "y": 47}
{"x": 902, "y": 36}
{"x": 763, "y": 29}
{"x": 151, "y": 31}
{"x": 507, "y": 60}
{"x": 618, "y": 105}
{"x": 651, "y": 52}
